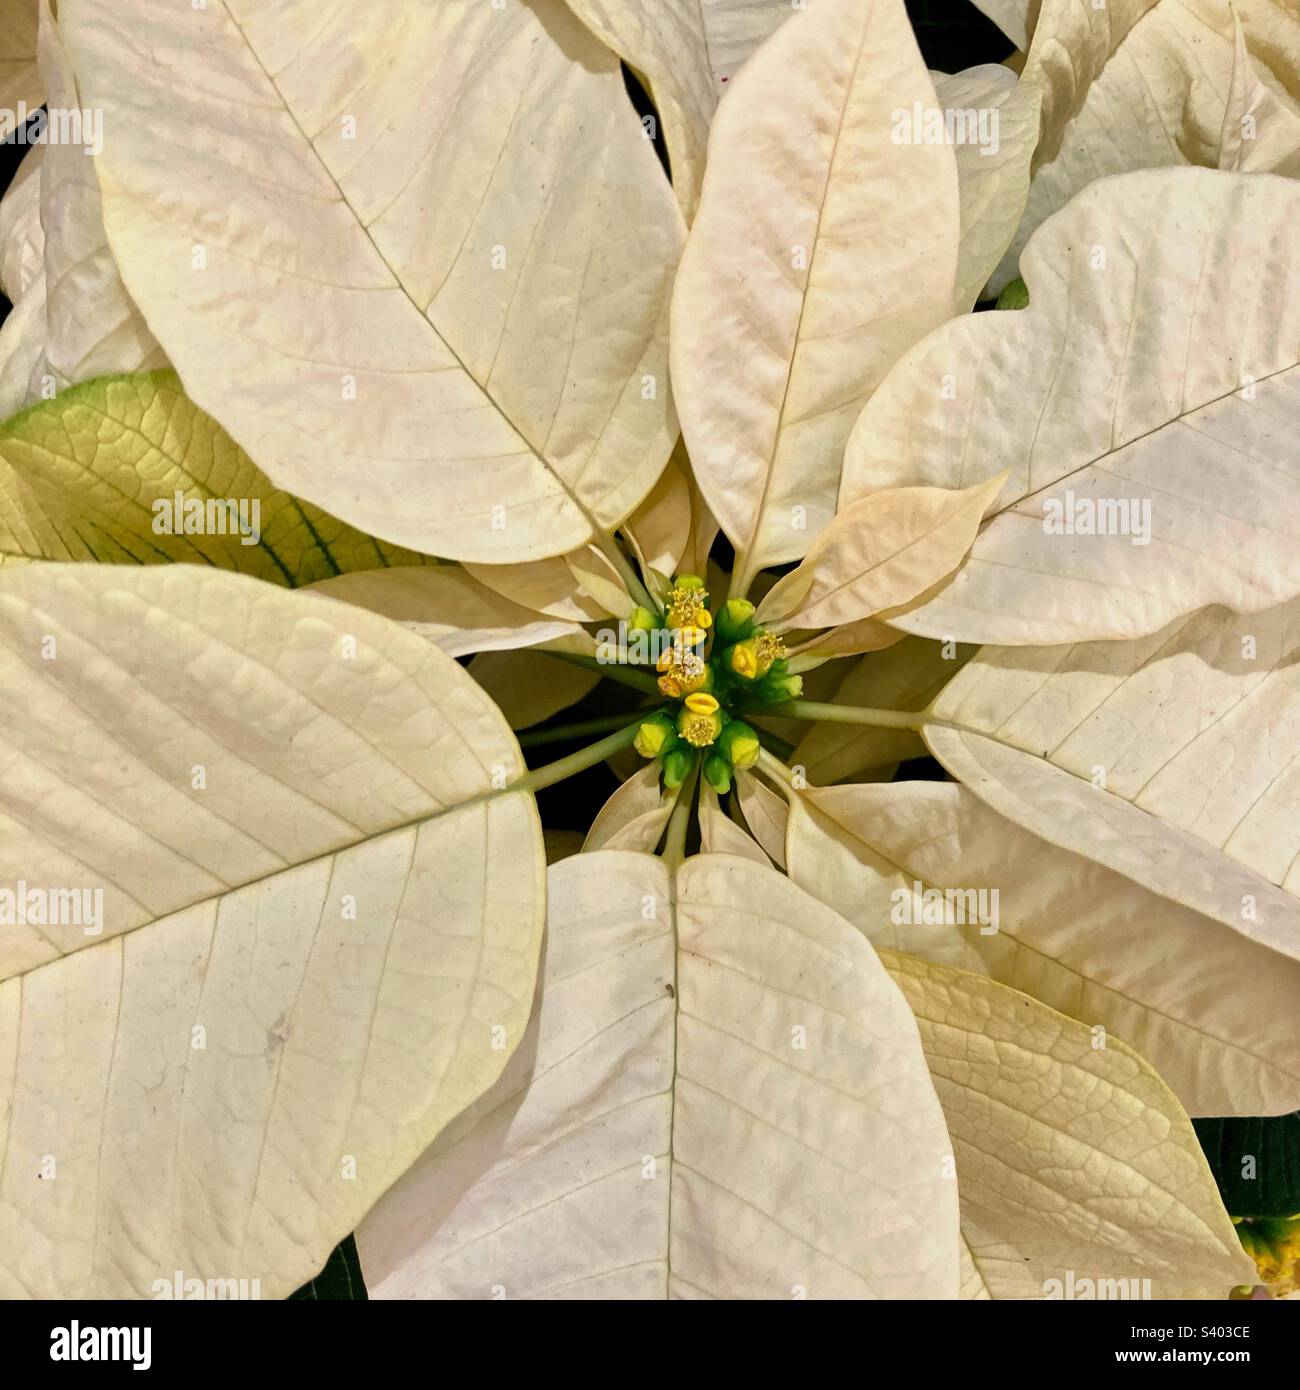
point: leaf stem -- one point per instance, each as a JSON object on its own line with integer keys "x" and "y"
{"x": 742, "y": 577}
{"x": 675, "y": 835}
{"x": 849, "y": 714}
{"x": 776, "y": 770}
{"x": 550, "y": 773}
{"x": 638, "y": 680}
{"x": 601, "y": 725}
{"x": 609, "y": 548}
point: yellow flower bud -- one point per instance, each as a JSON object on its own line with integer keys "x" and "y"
{"x": 684, "y": 669}
{"x": 739, "y": 743}
{"x": 744, "y": 660}
{"x": 688, "y": 606}
{"x": 699, "y": 729}
{"x": 652, "y": 736}
{"x": 701, "y": 704}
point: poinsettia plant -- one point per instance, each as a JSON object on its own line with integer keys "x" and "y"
{"x": 385, "y": 416}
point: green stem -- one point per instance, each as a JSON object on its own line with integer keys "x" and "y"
{"x": 848, "y": 714}
{"x": 741, "y": 578}
{"x": 550, "y": 773}
{"x": 609, "y": 548}
{"x": 675, "y": 835}
{"x": 638, "y": 680}
{"x": 583, "y": 726}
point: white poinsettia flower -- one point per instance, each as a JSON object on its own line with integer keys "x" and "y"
{"x": 410, "y": 321}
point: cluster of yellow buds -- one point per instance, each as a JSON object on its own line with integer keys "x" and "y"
{"x": 746, "y": 668}
{"x": 755, "y": 660}
{"x": 701, "y": 726}
{"x": 682, "y": 668}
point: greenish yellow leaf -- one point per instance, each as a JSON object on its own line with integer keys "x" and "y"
{"x": 1075, "y": 1163}
{"x": 119, "y": 470}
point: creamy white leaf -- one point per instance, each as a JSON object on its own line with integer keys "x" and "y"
{"x": 719, "y": 834}
{"x": 446, "y": 604}
{"x": 416, "y": 259}
{"x": 879, "y": 552}
{"x": 1143, "y": 403}
{"x": 317, "y": 938}
{"x": 661, "y": 1133}
{"x": 928, "y": 868}
{"x": 1171, "y": 760}
{"x": 997, "y": 118}
{"x": 634, "y": 816}
{"x": 529, "y": 686}
{"x": 20, "y": 78}
{"x": 822, "y": 250}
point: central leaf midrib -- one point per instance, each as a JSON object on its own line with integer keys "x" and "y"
{"x": 588, "y": 517}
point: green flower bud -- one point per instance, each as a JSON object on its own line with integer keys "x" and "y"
{"x": 654, "y": 735}
{"x": 717, "y": 772}
{"x": 688, "y": 581}
{"x": 735, "y": 620}
{"x": 740, "y": 744}
{"x": 642, "y": 620}
{"x": 777, "y": 688}
{"x": 676, "y": 764}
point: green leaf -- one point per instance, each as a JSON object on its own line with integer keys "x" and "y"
{"x": 90, "y": 474}
{"x": 340, "y": 1280}
{"x": 1273, "y": 1142}
{"x": 1015, "y": 296}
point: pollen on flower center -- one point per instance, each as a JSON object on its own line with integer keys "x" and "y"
{"x": 698, "y": 730}
{"x": 684, "y": 669}
{"x": 769, "y": 648}
{"x": 689, "y": 607}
